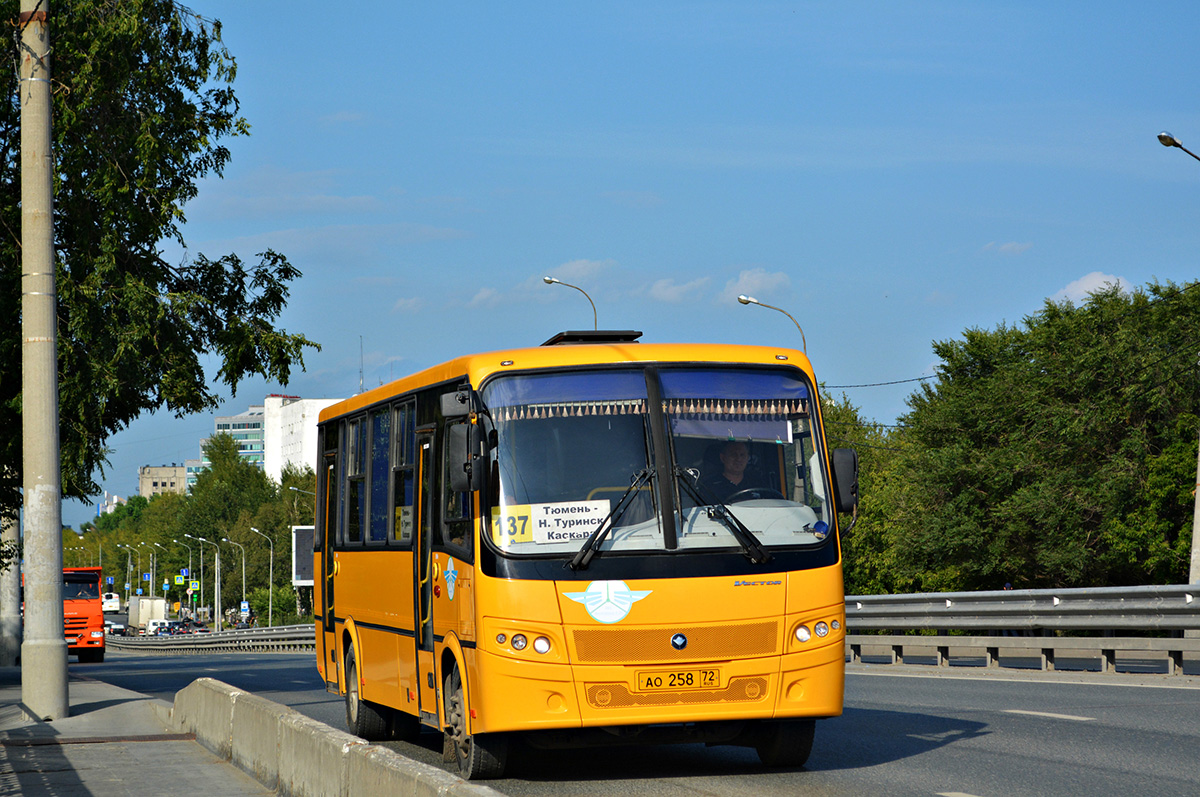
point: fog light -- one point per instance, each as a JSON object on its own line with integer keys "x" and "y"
{"x": 803, "y": 634}
{"x": 501, "y": 639}
{"x": 541, "y": 645}
{"x": 821, "y": 629}
{"x": 835, "y": 625}
{"x": 519, "y": 642}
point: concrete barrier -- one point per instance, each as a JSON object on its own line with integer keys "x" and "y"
{"x": 299, "y": 756}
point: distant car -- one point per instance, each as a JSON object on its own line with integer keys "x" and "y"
{"x": 114, "y": 629}
{"x": 110, "y": 602}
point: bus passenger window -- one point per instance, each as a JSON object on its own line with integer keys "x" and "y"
{"x": 380, "y": 472}
{"x": 356, "y": 496}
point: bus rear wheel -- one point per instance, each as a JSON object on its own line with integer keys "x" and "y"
{"x": 786, "y": 743}
{"x": 363, "y": 717}
{"x": 479, "y": 756}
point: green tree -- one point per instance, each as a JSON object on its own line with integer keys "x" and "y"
{"x": 1057, "y": 453}
{"x": 143, "y": 100}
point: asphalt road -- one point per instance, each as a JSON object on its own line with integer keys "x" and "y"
{"x": 904, "y": 731}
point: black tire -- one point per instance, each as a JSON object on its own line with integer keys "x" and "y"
{"x": 786, "y": 744}
{"x": 363, "y": 718}
{"x": 480, "y": 756}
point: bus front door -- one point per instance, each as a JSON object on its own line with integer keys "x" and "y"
{"x": 327, "y": 639}
{"x": 427, "y": 686}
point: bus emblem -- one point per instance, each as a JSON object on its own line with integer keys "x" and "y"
{"x": 451, "y": 577}
{"x": 679, "y": 642}
{"x": 608, "y": 601}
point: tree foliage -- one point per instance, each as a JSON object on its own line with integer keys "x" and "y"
{"x": 1060, "y": 452}
{"x": 142, "y": 101}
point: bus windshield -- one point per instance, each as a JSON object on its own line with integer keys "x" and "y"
{"x": 574, "y": 450}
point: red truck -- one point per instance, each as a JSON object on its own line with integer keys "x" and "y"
{"x": 83, "y": 613}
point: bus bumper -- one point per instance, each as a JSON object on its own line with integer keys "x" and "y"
{"x": 517, "y": 694}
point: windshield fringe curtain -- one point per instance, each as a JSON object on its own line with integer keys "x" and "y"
{"x": 699, "y": 409}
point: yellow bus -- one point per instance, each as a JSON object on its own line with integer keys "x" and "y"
{"x": 592, "y": 541}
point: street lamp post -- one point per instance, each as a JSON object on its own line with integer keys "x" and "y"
{"x": 155, "y": 576}
{"x": 1168, "y": 140}
{"x": 151, "y": 550}
{"x": 128, "y": 569}
{"x": 243, "y": 550}
{"x": 186, "y": 590}
{"x": 216, "y": 564}
{"x": 271, "y": 579}
{"x": 553, "y": 281}
{"x": 744, "y": 299}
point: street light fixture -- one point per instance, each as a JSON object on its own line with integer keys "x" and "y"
{"x": 243, "y": 550}
{"x": 744, "y": 299}
{"x": 1168, "y": 140}
{"x": 271, "y": 579}
{"x": 553, "y": 281}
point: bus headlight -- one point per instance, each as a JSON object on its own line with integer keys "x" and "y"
{"x": 519, "y": 642}
{"x": 802, "y": 633}
{"x": 541, "y": 645}
{"x": 821, "y": 629}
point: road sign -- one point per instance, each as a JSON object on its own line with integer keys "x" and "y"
{"x": 145, "y": 576}
{"x": 179, "y": 580}
{"x": 166, "y": 586}
{"x": 139, "y": 590}
{"x": 195, "y": 585}
{"x": 110, "y": 580}
{"x": 128, "y": 586}
{"x": 245, "y": 608}
{"x": 190, "y": 591}
{"x": 184, "y": 572}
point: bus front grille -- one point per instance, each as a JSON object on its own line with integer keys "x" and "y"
{"x": 739, "y": 690}
{"x": 704, "y": 643}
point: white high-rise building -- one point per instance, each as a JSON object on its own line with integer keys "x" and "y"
{"x": 290, "y": 432}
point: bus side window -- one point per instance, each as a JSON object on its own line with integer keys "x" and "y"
{"x": 356, "y": 495}
{"x": 456, "y": 506}
{"x": 403, "y": 478}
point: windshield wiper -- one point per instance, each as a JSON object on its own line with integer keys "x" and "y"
{"x": 585, "y": 554}
{"x": 750, "y": 545}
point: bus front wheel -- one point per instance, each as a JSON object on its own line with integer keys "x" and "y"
{"x": 786, "y": 743}
{"x": 479, "y": 756}
{"x": 363, "y": 717}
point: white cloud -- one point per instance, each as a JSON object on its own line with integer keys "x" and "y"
{"x": 1078, "y": 290}
{"x": 410, "y": 304}
{"x": 485, "y": 297}
{"x": 1010, "y": 248}
{"x": 755, "y": 281}
{"x": 668, "y": 290}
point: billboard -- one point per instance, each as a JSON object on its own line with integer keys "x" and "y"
{"x": 302, "y": 556}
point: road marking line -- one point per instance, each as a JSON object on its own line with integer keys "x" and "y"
{"x": 955, "y": 794}
{"x": 1048, "y": 714}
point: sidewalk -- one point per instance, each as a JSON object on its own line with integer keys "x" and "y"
{"x": 114, "y": 743}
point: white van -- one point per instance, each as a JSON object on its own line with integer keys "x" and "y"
{"x": 152, "y": 626}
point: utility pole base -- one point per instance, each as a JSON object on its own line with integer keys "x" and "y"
{"x": 44, "y": 679}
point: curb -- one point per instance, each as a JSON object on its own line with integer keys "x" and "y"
{"x": 297, "y": 755}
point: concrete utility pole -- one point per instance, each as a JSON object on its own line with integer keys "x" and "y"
{"x": 44, "y": 651}
{"x": 10, "y": 597}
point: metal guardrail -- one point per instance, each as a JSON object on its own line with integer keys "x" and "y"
{"x": 1164, "y": 608}
{"x": 1024, "y": 624}
{"x": 248, "y": 640}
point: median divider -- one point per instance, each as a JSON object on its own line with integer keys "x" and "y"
{"x": 297, "y": 755}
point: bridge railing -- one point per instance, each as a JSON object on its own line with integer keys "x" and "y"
{"x": 251, "y": 640}
{"x": 1080, "y": 624}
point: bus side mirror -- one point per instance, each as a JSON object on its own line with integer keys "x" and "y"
{"x": 464, "y": 455}
{"x": 845, "y": 479}
{"x": 457, "y": 404}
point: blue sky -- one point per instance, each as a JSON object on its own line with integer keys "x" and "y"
{"x": 891, "y": 174}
